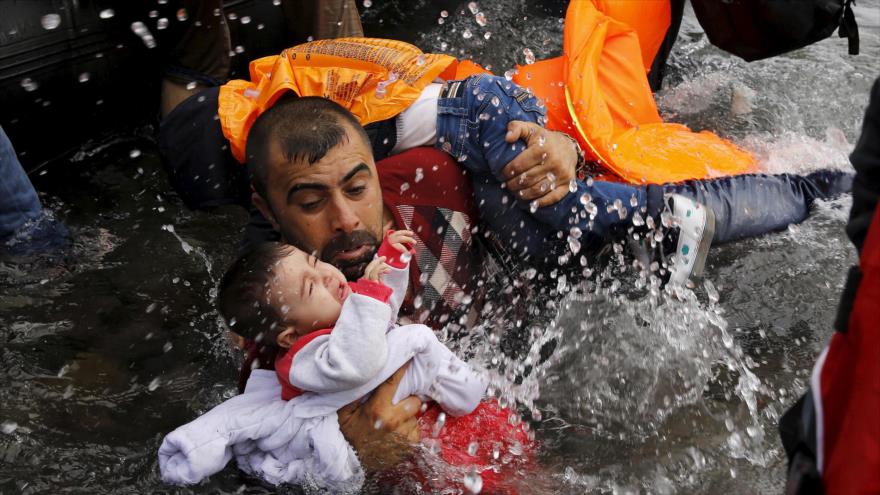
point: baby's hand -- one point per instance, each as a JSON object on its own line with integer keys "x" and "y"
{"x": 376, "y": 269}
{"x": 402, "y": 240}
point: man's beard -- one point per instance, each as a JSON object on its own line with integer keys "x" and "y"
{"x": 354, "y": 268}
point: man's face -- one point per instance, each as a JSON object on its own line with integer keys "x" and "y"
{"x": 332, "y": 208}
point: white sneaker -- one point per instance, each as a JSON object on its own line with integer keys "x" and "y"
{"x": 696, "y": 224}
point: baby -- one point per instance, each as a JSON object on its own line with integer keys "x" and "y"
{"x": 339, "y": 341}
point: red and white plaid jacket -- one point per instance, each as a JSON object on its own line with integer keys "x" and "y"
{"x": 430, "y": 194}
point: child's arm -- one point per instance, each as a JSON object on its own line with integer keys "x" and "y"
{"x": 354, "y": 352}
{"x": 398, "y": 250}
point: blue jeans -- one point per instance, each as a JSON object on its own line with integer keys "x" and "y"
{"x": 471, "y": 126}
{"x": 24, "y": 227}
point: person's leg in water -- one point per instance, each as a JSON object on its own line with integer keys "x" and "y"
{"x": 200, "y": 54}
{"x": 471, "y": 125}
{"x": 24, "y": 226}
{"x": 198, "y": 57}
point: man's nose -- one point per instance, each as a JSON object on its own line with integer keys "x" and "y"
{"x": 344, "y": 217}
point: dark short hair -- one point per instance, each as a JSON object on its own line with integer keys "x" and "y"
{"x": 305, "y": 128}
{"x": 243, "y": 295}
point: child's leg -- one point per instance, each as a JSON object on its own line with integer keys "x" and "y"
{"x": 472, "y": 118}
{"x": 755, "y": 204}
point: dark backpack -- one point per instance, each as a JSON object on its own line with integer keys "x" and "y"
{"x": 757, "y": 29}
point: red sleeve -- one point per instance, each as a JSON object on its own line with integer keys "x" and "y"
{"x": 391, "y": 254}
{"x": 376, "y": 290}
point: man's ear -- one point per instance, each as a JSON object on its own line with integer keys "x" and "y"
{"x": 263, "y": 206}
{"x": 286, "y": 337}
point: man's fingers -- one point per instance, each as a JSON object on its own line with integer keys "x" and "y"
{"x": 519, "y": 129}
{"x": 409, "y": 429}
{"x": 527, "y": 160}
{"x": 385, "y": 391}
{"x": 553, "y": 196}
{"x": 530, "y": 178}
{"x": 409, "y": 407}
{"x": 516, "y": 130}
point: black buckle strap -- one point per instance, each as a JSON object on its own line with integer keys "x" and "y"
{"x": 848, "y": 28}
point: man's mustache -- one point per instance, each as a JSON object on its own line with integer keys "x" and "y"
{"x": 345, "y": 241}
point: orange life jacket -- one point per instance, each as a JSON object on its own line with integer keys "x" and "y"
{"x": 598, "y": 92}
{"x": 374, "y": 79}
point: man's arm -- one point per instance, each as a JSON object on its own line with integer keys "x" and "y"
{"x": 379, "y": 431}
{"x": 541, "y": 172}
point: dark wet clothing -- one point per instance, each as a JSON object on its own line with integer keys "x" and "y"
{"x": 845, "y": 380}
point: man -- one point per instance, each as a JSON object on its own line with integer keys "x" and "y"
{"x": 316, "y": 182}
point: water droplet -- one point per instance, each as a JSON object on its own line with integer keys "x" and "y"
{"x": 711, "y": 291}
{"x": 162, "y": 24}
{"x": 404, "y": 187}
{"x": 182, "y": 15}
{"x": 473, "y": 7}
{"x": 378, "y": 424}
{"x": 472, "y": 448}
{"x": 139, "y": 29}
{"x": 276, "y": 2}
{"x": 420, "y": 60}
{"x": 572, "y": 186}
{"x": 480, "y": 18}
{"x": 495, "y": 100}
{"x": 533, "y": 206}
{"x": 8, "y": 427}
{"x": 84, "y": 77}
{"x": 29, "y": 84}
{"x": 154, "y": 384}
{"x": 420, "y": 174}
{"x": 473, "y": 482}
{"x": 134, "y": 153}
{"x": 50, "y": 21}
{"x": 106, "y": 14}
{"x": 167, "y": 347}
{"x": 585, "y": 199}
{"x": 444, "y": 14}
{"x": 368, "y": 4}
{"x": 530, "y": 57}
{"x": 574, "y": 245}
{"x": 466, "y": 34}
{"x": 487, "y": 35}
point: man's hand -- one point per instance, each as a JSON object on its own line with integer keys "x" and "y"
{"x": 542, "y": 172}
{"x": 380, "y": 432}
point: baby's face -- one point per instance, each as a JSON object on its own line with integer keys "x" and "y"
{"x": 308, "y": 292}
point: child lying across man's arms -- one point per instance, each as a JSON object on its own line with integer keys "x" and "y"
{"x": 338, "y": 341}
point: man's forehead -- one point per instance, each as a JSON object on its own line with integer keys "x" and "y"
{"x": 338, "y": 161}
